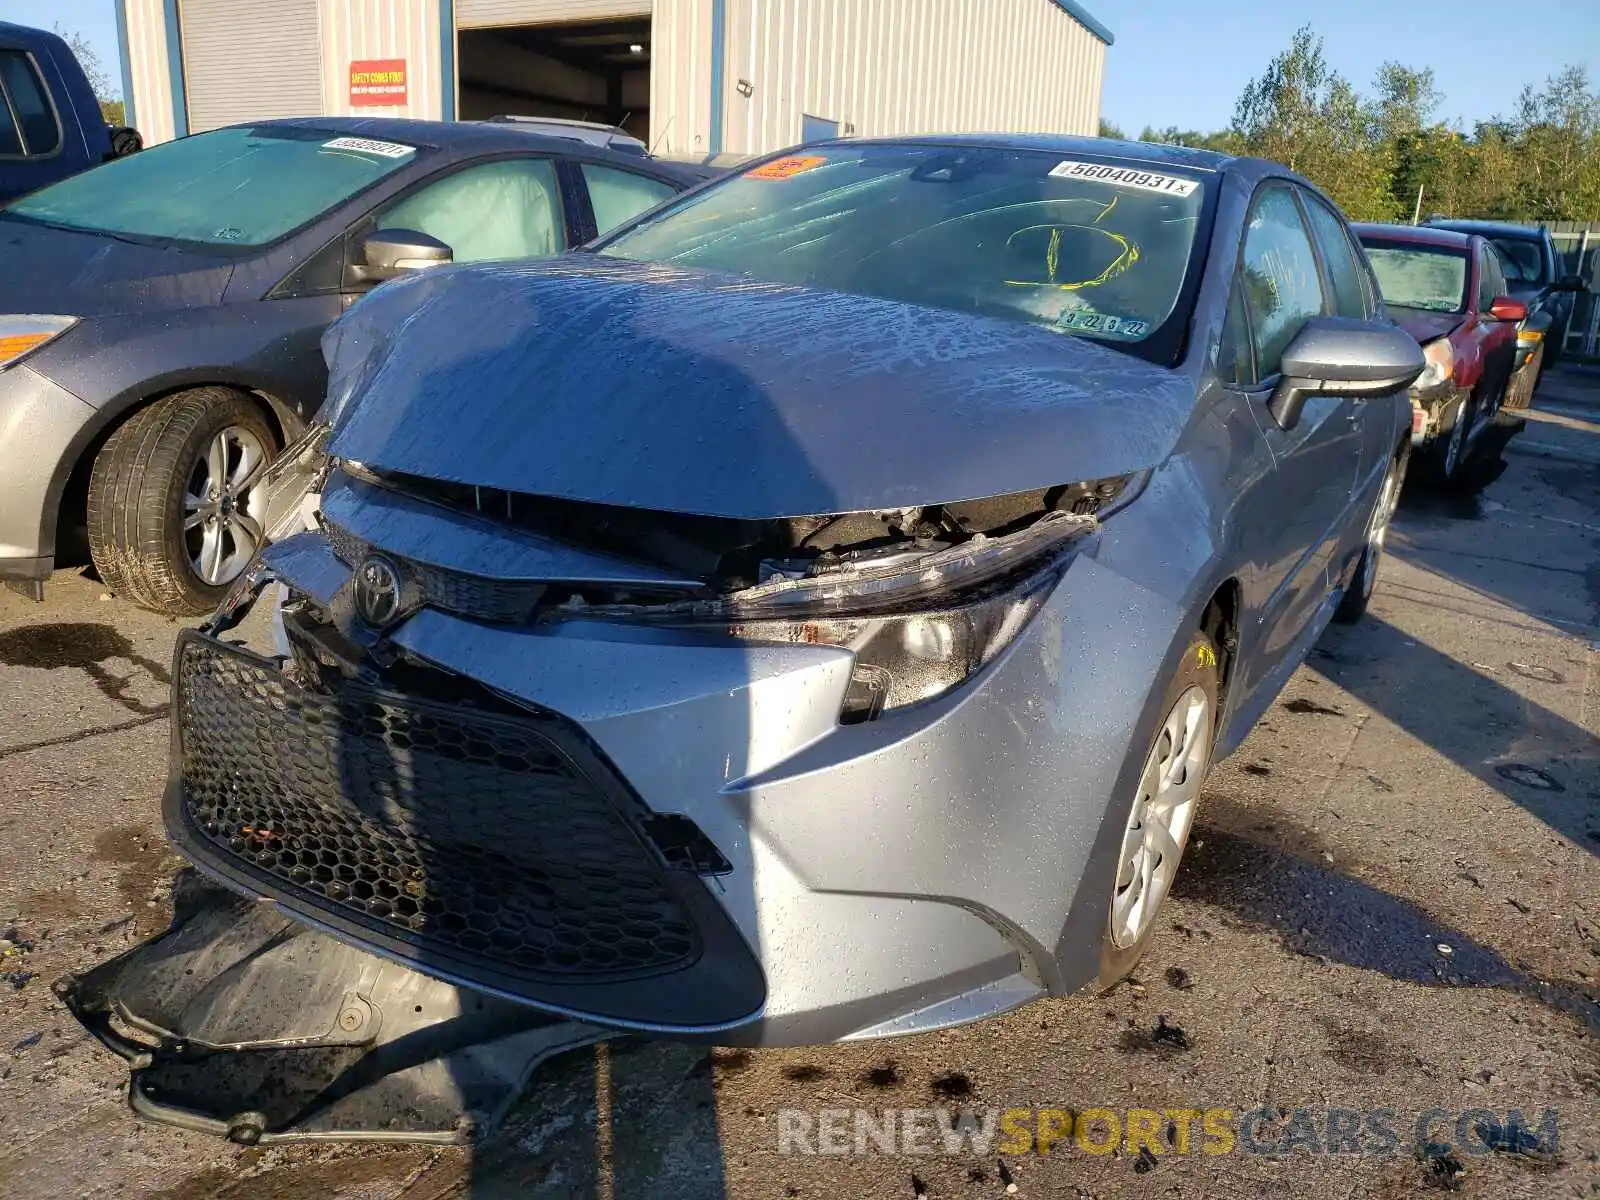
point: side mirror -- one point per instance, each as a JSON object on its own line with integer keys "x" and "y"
{"x": 1571, "y": 283}
{"x": 125, "y": 141}
{"x": 1505, "y": 308}
{"x": 1343, "y": 356}
{"x": 390, "y": 252}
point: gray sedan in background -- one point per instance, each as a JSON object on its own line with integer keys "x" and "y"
{"x": 809, "y": 616}
{"x": 159, "y": 316}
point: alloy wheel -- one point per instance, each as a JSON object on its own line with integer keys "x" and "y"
{"x": 221, "y": 530}
{"x": 1456, "y": 448}
{"x": 1159, "y": 822}
{"x": 1378, "y": 528}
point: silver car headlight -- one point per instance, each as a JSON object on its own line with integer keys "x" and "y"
{"x": 293, "y": 484}
{"x": 918, "y": 624}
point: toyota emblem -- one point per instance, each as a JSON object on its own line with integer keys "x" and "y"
{"x": 378, "y": 591}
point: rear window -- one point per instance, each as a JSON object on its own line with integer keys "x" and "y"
{"x": 233, "y": 187}
{"x": 1092, "y": 249}
{"x": 1431, "y": 278}
{"x": 1524, "y": 260}
{"x": 28, "y": 122}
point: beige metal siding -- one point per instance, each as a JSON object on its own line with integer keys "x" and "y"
{"x": 485, "y": 14}
{"x": 878, "y": 67}
{"x": 248, "y": 60}
{"x": 354, "y": 30}
{"x": 147, "y": 60}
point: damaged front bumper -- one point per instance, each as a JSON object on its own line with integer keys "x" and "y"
{"x": 600, "y": 826}
{"x": 242, "y": 1023}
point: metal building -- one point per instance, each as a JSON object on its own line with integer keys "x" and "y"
{"x": 691, "y": 77}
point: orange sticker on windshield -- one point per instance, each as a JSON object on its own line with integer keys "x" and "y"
{"x": 782, "y": 168}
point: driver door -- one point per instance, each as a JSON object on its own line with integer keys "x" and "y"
{"x": 1298, "y": 524}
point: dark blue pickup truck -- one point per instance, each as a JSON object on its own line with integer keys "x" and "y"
{"x": 50, "y": 122}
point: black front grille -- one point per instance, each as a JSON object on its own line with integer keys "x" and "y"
{"x": 481, "y": 843}
{"x": 503, "y": 601}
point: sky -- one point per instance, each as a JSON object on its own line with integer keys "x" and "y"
{"x": 1184, "y": 62}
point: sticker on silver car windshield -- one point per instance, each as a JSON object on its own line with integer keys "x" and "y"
{"x": 369, "y": 146}
{"x": 1149, "y": 181}
{"x": 1105, "y": 324}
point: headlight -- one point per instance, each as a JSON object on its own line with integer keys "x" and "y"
{"x": 1441, "y": 364}
{"x": 293, "y": 484}
{"x": 918, "y": 625}
{"x": 21, "y": 335}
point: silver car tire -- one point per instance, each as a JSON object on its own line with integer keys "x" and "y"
{"x": 174, "y": 499}
{"x": 1159, "y": 817}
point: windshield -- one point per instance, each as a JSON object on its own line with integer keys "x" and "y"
{"x": 1523, "y": 262}
{"x": 1092, "y": 249}
{"x": 1432, "y": 278}
{"x": 231, "y": 187}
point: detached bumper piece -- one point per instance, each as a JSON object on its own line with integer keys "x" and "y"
{"x": 241, "y": 1023}
{"x": 495, "y": 851}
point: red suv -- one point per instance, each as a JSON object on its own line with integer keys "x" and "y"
{"x": 1448, "y": 290}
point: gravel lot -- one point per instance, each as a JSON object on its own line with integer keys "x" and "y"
{"x": 1393, "y": 901}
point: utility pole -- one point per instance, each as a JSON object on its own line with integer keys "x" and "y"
{"x": 1416, "y": 213}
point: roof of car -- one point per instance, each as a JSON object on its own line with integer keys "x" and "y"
{"x": 1058, "y": 143}
{"x": 1417, "y": 235}
{"x": 483, "y": 136}
{"x": 1488, "y": 228}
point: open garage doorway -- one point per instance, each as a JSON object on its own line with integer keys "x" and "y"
{"x": 584, "y": 71}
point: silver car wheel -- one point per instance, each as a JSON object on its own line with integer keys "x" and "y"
{"x": 220, "y": 529}
{"x": 1458, "y": 439}
{"x": 1163, "y": 810}
{"x": 1378, "y": 528}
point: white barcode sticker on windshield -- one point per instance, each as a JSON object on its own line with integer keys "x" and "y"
{"x": 368, "y": 146}
{"x": 1150, "y": 181}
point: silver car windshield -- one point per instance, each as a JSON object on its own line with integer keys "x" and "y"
{"x": 1092, "y": 248}
{"x": 233, "y": 187}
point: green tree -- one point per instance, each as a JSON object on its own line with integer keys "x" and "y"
{"x": 112, "y": 110}
{"x": 1304, "y": 114}
{"x": 1110, "y": 130}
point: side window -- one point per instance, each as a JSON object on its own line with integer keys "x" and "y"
{"x": 1281, "y": 287}
{"x": 1233, "y": 353}
{"x": 508, "y": 209}
{"x": 617, "y": 196}
{"x": 30, "y": 104}
{"x": 1491, "y": 280}
{"x": 1344, "y": 270}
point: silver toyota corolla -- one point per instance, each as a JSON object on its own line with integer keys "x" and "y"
{"x": 812, "y": 613}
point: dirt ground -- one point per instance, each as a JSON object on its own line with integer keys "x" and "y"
{"x": 1392, "y": 902}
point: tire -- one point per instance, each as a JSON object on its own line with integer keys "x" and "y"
{"x": 140, "y": 498}
{"x": 1358, "y": 594}
{"x": 1123, "y": 941}
{"x": 1519, "y": 395}
{"x": 1448, "y": 456}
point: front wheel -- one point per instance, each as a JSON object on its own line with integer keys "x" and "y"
{"x": 1356, "y": 597}
{"x": 1450, "y": 456}
{"x": 174, "y": 500}
{"x": 1162, "y": 810}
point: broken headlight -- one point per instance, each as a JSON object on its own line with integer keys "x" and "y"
{"x": 918, "y": 624}
{"x": 293, "y": 484}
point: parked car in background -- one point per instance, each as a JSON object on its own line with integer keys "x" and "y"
{"x": 162, "y": 343}
{"x": 1449, "y": 291}
{"x": 50, "y": 121}
{"x": 1535, "y": 274}
{"x": 968, "y": 494}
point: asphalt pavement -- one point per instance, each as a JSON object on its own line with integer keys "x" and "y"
{"x": 1390, "y": 911}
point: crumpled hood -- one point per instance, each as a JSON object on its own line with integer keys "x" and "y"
{"x": 622, "y": 383}
{"x": 45, "y": 270}
{"x": 1425, "y": 326}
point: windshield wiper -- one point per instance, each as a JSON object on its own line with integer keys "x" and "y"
{"x": 129, "y": 238}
